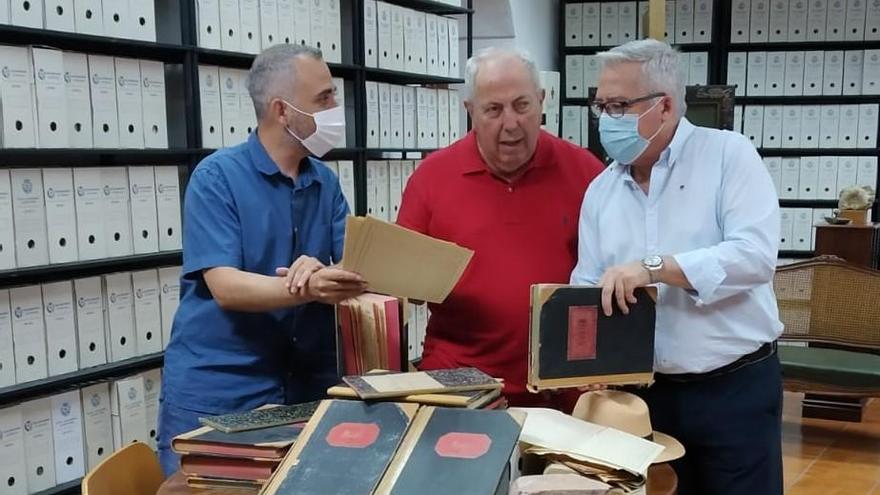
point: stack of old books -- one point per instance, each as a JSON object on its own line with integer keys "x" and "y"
{"x": 463, "y": 387}
{"x": 240, "y": 450}
{"x": 383, "y": 442}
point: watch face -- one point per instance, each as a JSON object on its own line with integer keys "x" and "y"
{"x": 653, "y": 261}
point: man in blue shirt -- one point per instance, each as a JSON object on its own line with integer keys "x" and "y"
{"x": 263, "y": 225}
{"x": 694, "y": 212}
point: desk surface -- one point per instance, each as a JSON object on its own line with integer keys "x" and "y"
{"x": 661, "y": 481}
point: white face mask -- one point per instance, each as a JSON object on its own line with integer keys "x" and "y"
{"x": 329, "y": 130}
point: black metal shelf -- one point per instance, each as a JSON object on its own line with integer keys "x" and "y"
{"x": 95, "y": 157}
{"x": 797, "y": 152}
{"x": 808, "y": 203}
{"x": 334, "y": 154}
{"x": 78, "y": 269}
{"x": 69, "y": 488}
{"x": 85, "y": 43}
{"x": 241, "y": 60}
{"x": 807, "y": 100}
{"x": 77, "y": 379}
{"x": 400, "y": 77}
{"x": 795, "y": 254}
{"x": 592, "y": 50}
{"x": 790, "y": 46}
{"x": 575, "y": 101}
{"x": 432, "y": 7}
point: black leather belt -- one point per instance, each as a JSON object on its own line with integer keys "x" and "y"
{"x": 763, "y": 352}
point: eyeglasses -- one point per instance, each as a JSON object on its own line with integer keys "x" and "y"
{"x": 617, "y": 109}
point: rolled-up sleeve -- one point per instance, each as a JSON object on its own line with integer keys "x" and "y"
{"x": 749, "y": 218}
{"x": 588, "y": 269}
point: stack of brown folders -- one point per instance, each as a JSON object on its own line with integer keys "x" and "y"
{"x": 240, "y": 450}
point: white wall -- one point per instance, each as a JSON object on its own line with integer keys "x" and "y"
{"x": 528, "y": 25}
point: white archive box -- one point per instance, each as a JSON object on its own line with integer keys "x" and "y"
{"x": 827, "y": 178}
{"x": 574, "y": 24}
{"x": 756, "y": 74}
{"x": 814, "y": 62}
{"x": 89, "y": 202}
{"x": 26, "y": 13}
{"x": 230, "y": 107}
{"x": 609, "y": 23}
{"x": 803, "y": 229}
{"x": 832, "y": 74}
{"x": 867, "y": 128}
{"x": 739, "y": 21}
{"x": 144, "y": 223}
{"x": 62, "y": 352}
{"x": 28, "y": 333}
{"x": 872, "y": 21}
{"x": 384, "y": 115}
{"x": 209, "y": 98}
{"x": 97, "y": 423}
{"x": 817, "y": 12}
{"x": 791, "y": 126}
{"x": 90, "y": 325}
{"x": 794, "y": 73}
{"x": 302, "y": 23}
{"x": 7, "y": 229}
{"x": 286, "y": 21}
{"x": 169, "y": 298}
{"x": 786, "y": 230}
{"x": 829, "y": 126}
{"x": 759, "y": 21}
{"x": 116, "y": 18}
{"x": 409, "y": 117}
{"x": 88, "y": 17}
{"x": 627, "y": 21}
{"x": 129, "y": 103}
{"x": 772, "y": 129}
{"x": 119, "y": 320}
{"x": 373, "y": 119}
{"x": 797, "y": 20}
{"x": 12, "y": 454}
{"x": 835, "y": 27}
{"x": 317, "y": 34}
{"x": 208, "y": 15}
{"x": 29, "y": 217}
{"x": 443, "y": 117}
{"x": 269, "y": 29}
{"x": 346, "y": 182}
{"x": 395, "y": 188}
{"x": 778, "y": 20}
{"x": 155, "y": 120}
{"x": 152, "y": 391}
{"x": 128, "y": 411}
{"x": 811, "y": 121}
{"x": 168, "y": 207}
{"x": 847, "y": 172}
{"x": 332, "y": 48}
{"x": 397, "y": 38}
{"x": 230, "y": 25}
{"x": 591, "y": 32}
{"x": 867, "y": 173}
{"x": 789, "y": 178}
{"x": 396, "y": 114}
{"x": 684, "y": 21}
{"x": 117, "y": 211}
{"x": 142, "y": 20}
{"x": 432, "y": 50}
{"x": 7, "y": 355}
{"x": 50, "y": 91}
{"x": 454, "y": 116}
{"x": 60, "y": 215}
{"x": 385, "y": 54}
{"x": 249, "y": 18}
{"x": 371, "y": 39}
{"x": 774, "y": 168}
{"x": 78, "y": 100}
{"x": 105, "y": 117}
{"x": 39, "y": 451}
{"x": 147, "y": 311}
{"x": 753, "y": 124}
{"x": 574, "y": 76}
{"x": 68, "y": 435}
{"x": 871, "y": 73}
{"x": 853, "y": 62}
{"x": 808, "y": 182}
{"x": 247, "y": 112}
{"x": 16, "y": 93}
{"x": 855, "y": 20}
{"x": 736, "y": 72}
{"x": 848, "y": 130}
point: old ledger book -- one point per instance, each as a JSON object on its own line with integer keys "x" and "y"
{"x": 344, "y": 449}
{"x": 262, "y": 417}
{"x": 265, "y": 443}
{"x": 400, "y": 262}
{"x": 371, "y": 334}
{"x": 458, "y": 451}
{"x": 380, "y": 386}
{"x": 572, "y": 343}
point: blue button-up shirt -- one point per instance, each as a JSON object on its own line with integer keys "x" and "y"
{"x": 712, "y": 205}
{"x": 241, "y": 212}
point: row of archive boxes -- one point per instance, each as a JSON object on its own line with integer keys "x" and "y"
{"x": 398, "y": 38}
{"x": 851, "y": 72}
{"x": 61, "y": 327}
{"x": 760, "y": 21}
{"x": 582, "y": 72}
{"x": 798, "y": 227}
{"x": 54, "y": 440}
{"x": 55, "y": 99}
{"x": 820, "y": 177}
{"x": 615, "y": 23}
{"x": 417, "y": 325}
{"x": 411, "y": 117}
{"x": 60, "y": 215}
{"x": 131, "y": 19}
{"x": 809, "y": 126}
{"x": 551, "y": 106}
{"x": 386, "y": 181}
{"x": 251, "y": 26}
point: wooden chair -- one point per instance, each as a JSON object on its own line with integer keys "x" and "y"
{"x": 834, "y": 307}
{"x": 133, "y": 470}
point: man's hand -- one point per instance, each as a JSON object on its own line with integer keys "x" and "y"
{"x": 619, "y": 282}
{"x": 297, "y": 276}
{"x": 331, "y": 285}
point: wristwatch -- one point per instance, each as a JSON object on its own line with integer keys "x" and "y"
{"x": 653, "y": 264}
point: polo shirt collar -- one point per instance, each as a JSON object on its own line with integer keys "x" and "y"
{"x": 476, "y": 164}
{"x": 264, "y": 163}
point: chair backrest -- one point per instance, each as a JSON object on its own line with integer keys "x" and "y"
{"x": 827, "y": 300}
{"x": 133, "y": 470}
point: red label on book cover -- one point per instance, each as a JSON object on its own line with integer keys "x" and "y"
{"x": 582, "y": 332}
{"x": 463, "y": 445}
{"x": 353, "y": 435}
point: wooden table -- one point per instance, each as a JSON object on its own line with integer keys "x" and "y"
{"x": 661, "y": 481}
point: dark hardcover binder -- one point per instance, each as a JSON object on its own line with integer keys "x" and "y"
{"x": 449, "y": 450}
{"x": 572, "y": 343}
{"x": 344, "y": 449}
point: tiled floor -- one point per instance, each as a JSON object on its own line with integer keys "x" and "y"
{"x": 830, "y": 457}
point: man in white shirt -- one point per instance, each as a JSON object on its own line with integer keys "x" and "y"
{"x": 693, "y": 211}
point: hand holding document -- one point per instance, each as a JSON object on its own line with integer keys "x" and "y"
{"x": 400, "y": 262}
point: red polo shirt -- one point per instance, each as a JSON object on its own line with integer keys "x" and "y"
{"x": 522, "y": 233}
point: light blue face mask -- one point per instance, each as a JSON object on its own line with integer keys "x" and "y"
{"x": 620, "y": 136}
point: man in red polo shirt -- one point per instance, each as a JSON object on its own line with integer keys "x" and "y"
{"x": 512, "y": 193}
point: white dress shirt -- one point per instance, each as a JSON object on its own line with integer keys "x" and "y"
{"x": 712, "y": 205}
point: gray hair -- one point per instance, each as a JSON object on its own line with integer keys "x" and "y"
{"x": 660, "y": 66}
{"x": 475, "y": 62}
{"x": 272, "y": 67}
